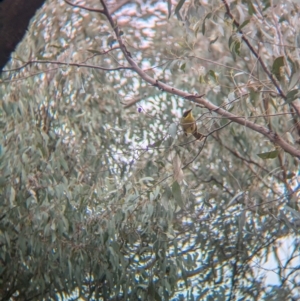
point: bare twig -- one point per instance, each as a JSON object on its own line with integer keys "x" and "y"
{"x": 132, "y": 101}
{"x": 85, "y": 7}
{"x": 75, "y": 65}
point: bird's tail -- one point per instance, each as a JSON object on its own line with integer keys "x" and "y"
{"x": 198, "y": 135}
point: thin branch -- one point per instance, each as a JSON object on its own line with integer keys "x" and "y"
{"x": 29, "y": 62}
{"x": 132, "y": 101}
{"x": 232, "y": 68}
{"x": 96, "y": 53}
{"x": 218, "y": 129}
{"x": 212, "y": 178}
{"x": 80, "y": 65}
{"x": 61, "y": 63}
{"x": 69, "y": 64}
{"x": 85, "y": 7}
{"x": 28, "y": 76}
{"x": 271, "y": 135}
{"x": 256, "y": 116}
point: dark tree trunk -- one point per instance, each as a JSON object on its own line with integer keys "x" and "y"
{"x": 14, "y": 19}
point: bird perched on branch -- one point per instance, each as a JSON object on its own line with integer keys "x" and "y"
{"x": 189, "y": 125}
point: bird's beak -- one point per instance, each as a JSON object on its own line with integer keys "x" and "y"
{"x": 186, "y": 112}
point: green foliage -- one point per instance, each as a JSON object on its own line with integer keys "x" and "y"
{"x": 102, "y": 197}
{"x": 277, "y": 67}
{"x": 269, "y": 155}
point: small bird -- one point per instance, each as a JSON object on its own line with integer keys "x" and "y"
{"x": 189, "y": 125}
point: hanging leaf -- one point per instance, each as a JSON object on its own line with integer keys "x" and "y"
{"x": 213, "y": 41}
{"x": 178, "y": 7}
{"x": 234, "y": 46}
{"x": 182, "y": 67}
{"x": 177, "y": 170}
{"x": 292, "y": 95}
{"x": 254, "y": 96}
{"x": 266, "y": 3}
{"x": 276, "y": 67}
{"x": 211, "y": 76}
{"x": 111, "y": 41}
{"x": 176, "y": 191}
{"x": 294, "y": 212}
{"x": 243, "y": 24}
{"x": 294, "y": 79}
{"x": 251, "y": 8}
{"x": 269, "y": 155}
{"x": 208, "y": 16}
{"x": 157, "y": 143}
{"x": 169, "y": 8}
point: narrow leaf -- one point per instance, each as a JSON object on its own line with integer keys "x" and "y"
{"x": 267, "y": 4}
{"x": 278, "y": 63}
{"x": 292, "y": 95}
{"x": 208, "y": 16}
{"x": 178, "y": 7}
{"x": 178, "y": 173}
{"x": 111, "y": 41}
{"x": 213, "y": 41}
{"x": 182, "y": 67}
{"x": 293, "y": 211}
{"x": 169, "y": 8}
{"x": 251, "y": 8}
{"x": 243, "y": 25}
{"x": 157, "y": 143}
{"x": 269, "y": 155}
{"x": 294, "y": 79}
{"x": 94, "y": 51}
{"x": 176, "y": 191}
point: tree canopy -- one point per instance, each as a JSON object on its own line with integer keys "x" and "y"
{"x": 103, "y": 197}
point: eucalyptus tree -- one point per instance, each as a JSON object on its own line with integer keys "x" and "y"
{"x": 102, "y": 195}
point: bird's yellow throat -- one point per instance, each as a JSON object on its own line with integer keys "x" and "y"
{"x": 189, "y": 125}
